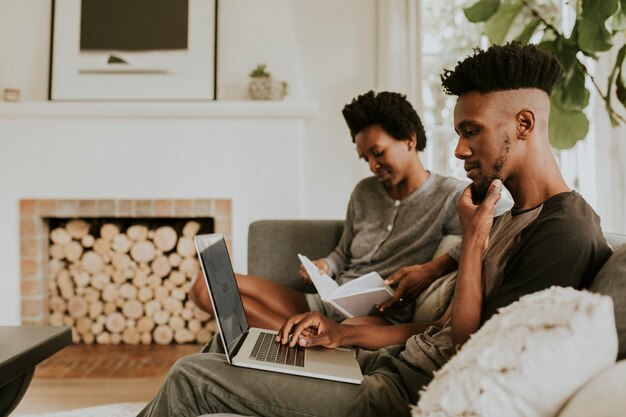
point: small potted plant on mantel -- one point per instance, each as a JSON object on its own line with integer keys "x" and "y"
{"x": 263, "y": 87}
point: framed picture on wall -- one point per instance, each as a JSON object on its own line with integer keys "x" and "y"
{"x": 119, "y": 50}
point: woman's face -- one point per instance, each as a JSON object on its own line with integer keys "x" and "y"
{"x": 389, "y": 159}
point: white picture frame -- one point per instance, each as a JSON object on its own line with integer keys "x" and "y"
{"x": 175, "y": 75}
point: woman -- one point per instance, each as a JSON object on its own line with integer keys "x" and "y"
{"x": 394, "y": 222}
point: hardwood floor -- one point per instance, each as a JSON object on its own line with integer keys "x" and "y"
{"x": 83, "y": 376}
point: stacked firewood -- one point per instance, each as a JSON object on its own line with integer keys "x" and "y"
{"x": 128, "y": 286}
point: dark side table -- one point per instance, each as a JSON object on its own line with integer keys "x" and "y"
{"x": 21, "y": 349}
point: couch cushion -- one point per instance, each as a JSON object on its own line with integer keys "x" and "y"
{"x": 528, "y": 359}
{"x": 603, "y": 396}
{"x": 611, "y": 280}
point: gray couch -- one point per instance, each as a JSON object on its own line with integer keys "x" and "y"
{"x": 273, "y": 245}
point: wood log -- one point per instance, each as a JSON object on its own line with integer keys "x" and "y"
{"x": 131, "y": 323}
{"x": 174, "y": 259}
{"x": 200, "y": 314}
{"x": 83, "y": 325}
{"x": 88, "y": 338}
{"x": 161, "y": 266}
{"x": 144, "y": 294}
{"x": 103, "y": 338}
{"x": 155, "y": 281}
{"x": 145, "y": 324}
{"x": 97, "y": 328}
{"x": 131, "y": 337}
{"x": 75, "y": 336}
{"x": 161, "y": 317}
{"x": 146, "y": 338}
{"x": 179, "y": 294}
{"x": 191, "y": 228}
{"x": 96, "y": 309}
{"x": 55, "y": 319}
{"x": 129, "y": 272}
{"x": 60, "y": 236}
{"x": 56, "y": 252}
{"x": 109, "y": 293}
{"x": 163, "y": 335}
{"x": 151, "y": 307}
{"x": 92, "y": 262}
{"x": 143, "y": 251}
{"x": 57, "y": 305}
{"x": 176, "y": 323}
{"x": 80, "y": 278}
{"x": 203, "y": 335}
{"x": 87, "y": 241}
{"x": 169, "y": 285}
{"x": 137, "y": 232}
{"x": 183, "y": 336}
{"x": 116, "y": 339}
{"x": 77, "y": 307}
{"x": 119, "y": 302}
{"x": 115, "y": 323}
{"x": 128, "y": 291}
{"x": 54, "y": 267}
{"x": 177, "y": 278}
{"x": 194, "y": 326}
{"x": 121, "y": 243}
{"x": 187, "y": 313}
{"x": 118, "y": 277}
{"x": 165, "y": 238}
{"x": 80, "y": 291}
{"x": 101, "y": 247}
{"x": 140, "y": 279}
{"x": 68, "y": 321}
{"x": 73, "y": 251}
{"x": 161, "y": 293}
{"x": 100, "y": 280}
{"x": 189, "y": 267}
{"x": 77, "y": 228}
{"x": 132, "y": 309}
{"x": 91, "y": 295}
{"x": 67, "y": 289}
{"x": 185, "y": 247}
{"x": 120, "y": 261}
{"x": 108, "y": 231}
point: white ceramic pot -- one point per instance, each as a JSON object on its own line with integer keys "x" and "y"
{"x": 267, "y": 89}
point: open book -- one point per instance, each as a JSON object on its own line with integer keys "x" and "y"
{"x": 355, "y": 298}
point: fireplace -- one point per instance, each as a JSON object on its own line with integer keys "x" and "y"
{"x": 56, "y": 276}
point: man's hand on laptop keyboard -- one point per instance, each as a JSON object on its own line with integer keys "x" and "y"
{"x": 311, "y": 329}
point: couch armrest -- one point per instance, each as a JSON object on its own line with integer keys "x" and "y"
{"x": 273, "y": 246}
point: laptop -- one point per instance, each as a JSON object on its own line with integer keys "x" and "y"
{"x": 255, "y": 348}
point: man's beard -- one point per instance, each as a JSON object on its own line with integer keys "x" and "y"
{"x": 479, "y": 190}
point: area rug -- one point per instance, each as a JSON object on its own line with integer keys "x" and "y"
{"x": 106, "y": 410}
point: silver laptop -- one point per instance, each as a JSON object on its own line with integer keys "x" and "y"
{"x": 255, "y": 348}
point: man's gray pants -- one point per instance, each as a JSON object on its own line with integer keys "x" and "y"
{"x": 205, "y": 383}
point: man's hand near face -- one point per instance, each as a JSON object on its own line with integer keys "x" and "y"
{"x": 476, "y": 222}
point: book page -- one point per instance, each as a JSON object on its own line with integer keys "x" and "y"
{"x": 367, "y": 281}
{"x": 362, "y": 303}
{"x": 324, "y": 284}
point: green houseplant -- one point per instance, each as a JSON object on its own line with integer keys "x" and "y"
{"x": 263, "y": 87}
{"x": 599, "y": 28}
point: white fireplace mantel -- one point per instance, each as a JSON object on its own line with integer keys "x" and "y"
{"x": 164, "y": 109}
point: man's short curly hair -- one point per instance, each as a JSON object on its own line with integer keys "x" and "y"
{"x": 392, "y": 111}
{"x": 509, "y": 67}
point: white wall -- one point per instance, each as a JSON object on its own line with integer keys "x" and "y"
{"x": 324, "y": 49}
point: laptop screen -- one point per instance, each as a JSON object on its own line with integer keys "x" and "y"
{"x": 223, "y": 289}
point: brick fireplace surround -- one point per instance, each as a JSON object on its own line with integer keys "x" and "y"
{"x": 34, "y": 234}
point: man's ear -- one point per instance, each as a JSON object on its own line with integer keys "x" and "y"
{"x": 525, "y": 123}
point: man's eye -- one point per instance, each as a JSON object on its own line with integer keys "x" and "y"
{"x": 378, "y": 154}
{"x": 471, "y": 132}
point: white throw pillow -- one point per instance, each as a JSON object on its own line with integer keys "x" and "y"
{"x": 528, "y": 359}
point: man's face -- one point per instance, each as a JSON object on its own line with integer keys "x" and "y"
{"x": 485, "y": 139}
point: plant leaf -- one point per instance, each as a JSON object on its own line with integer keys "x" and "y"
{"x": 481, "y": 10}
{"x": 528, "y": 31}
{"x": 592, "y": 33}
{"x": 620, "y": 82}
{"x": 499, "y": 24}
{"x": 575, "y": 95}
{"x": 566, "y": 127}
{"x": 619, "y": 19}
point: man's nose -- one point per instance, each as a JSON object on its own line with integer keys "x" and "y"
{"x": 373, "y": 164}
{"x": 462, "y": 151}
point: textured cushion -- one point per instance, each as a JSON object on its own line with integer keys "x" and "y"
{"x": 611, "y": 280}
{"x": 528, "y": 359}
{"x": 603, "y": 396}
{"x": 433, "y": 302}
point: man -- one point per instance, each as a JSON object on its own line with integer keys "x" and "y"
{"x": 550, "y": 237}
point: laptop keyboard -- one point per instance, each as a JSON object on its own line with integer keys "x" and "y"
{"x": 267, "y": 350}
